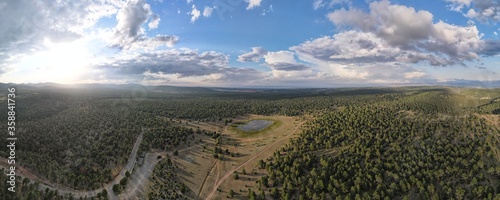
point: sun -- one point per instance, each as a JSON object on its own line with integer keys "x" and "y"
{"x": 59, "y": 62}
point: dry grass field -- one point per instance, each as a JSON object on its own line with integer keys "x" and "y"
{"x": 211, "y": 178}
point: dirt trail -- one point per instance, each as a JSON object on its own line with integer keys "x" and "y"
{"x": 205, "y": 179}
{"x": 229, "y": 173}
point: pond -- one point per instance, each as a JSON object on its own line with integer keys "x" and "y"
{"x": 255, "y": 125}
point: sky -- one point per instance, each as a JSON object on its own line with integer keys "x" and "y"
{"x": 250, "y": 43}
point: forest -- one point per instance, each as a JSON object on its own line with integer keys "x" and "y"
{"x": 382, "y": 143}
{"x": 423, "y": 146}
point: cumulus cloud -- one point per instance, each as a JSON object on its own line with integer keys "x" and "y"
{"x": 183, "y": 62}
{"x": 254, "y": 56}
{"x": 155, "y": 21}
{"x": 209, "y": 66}
{"x": 395, "y": 23}
{"x": 207, "y": 11}
{"x": 253, "y": 4}
{"x": 483, "y": 10}
{"x": 284, "y": 61}
{"x": 129, "y": 34}
{"x": 26, "y": 24}
{"x": 195, "y": 14}
{"x": 349, "y": 47}
{"x": 130, "y": 19}
{"x": 411, "y": 33}
{"x": 279, "y": 56}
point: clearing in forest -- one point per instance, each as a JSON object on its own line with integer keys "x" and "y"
{"x": 202, "y": 171}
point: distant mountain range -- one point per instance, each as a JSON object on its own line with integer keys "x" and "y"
{"x": 184, "y": 89}
{"x": 472, "y": 83}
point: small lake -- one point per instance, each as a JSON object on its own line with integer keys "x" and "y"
{"x": 255, "y": 125}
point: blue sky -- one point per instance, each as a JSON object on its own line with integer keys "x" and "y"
{"x": 245, "y": 43}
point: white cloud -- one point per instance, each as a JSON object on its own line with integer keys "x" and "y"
{"x": 254, "y": 56}
{"x": 26, "y": 23}
{"x": 461, "y": 43}
{"x": 458, "y": 5}
{"x": 253, "y": 4}
{"x": 284, "y": 61}
{"x": 130, "y": 19}
{"x": 207, "y": 11}
{"x": 318, "y": 4}
{"x": 413, "y": 33}
{"x": 349, "y": 47}
{"x": 155, "y": 21}
{"x": 279, "y": 56}
{"x": 471, "y": 13}
{"x": 174, "y": 65}
{"x": 396, "y": 23}
{"x": 483, "y": 10}
{"x": 129, "y": 32}
{"x": 461, "y": 2}
{"x": 267, "y": 11}
{"x": 195, "y": 14}
{"x": 415, "y": 74}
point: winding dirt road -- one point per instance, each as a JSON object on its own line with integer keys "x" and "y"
{"x": 44, "y": 184}
{"x": 135, "y": 186}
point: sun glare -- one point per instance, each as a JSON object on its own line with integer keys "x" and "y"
{"x": 60, "y": 62}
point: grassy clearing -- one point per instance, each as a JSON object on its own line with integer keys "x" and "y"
{"x": 195, "y": 163}
{"x": 249, "y": 147}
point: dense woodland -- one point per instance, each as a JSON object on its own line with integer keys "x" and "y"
{"x": 363, "y": 142}
{"x": 165, "y": 183}
{"x": 26, "y": 190}
{"x": 417, "y": 147}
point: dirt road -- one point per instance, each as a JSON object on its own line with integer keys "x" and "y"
{"x": 79, "y": 193}
{"x": 229, "y": 173}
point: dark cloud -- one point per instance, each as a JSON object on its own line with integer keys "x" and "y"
{"x": 183, "y": 62}
{"x": 254, "y": 56}
{"x": 152, "y": 43}
{"x": 491, "y": 48}
{"x": 283, "y": 66}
